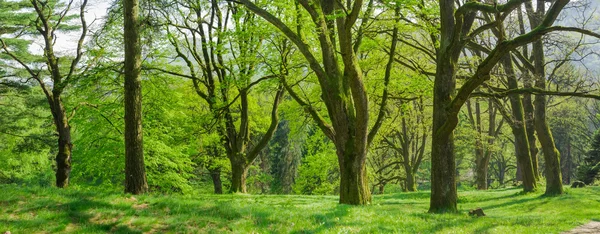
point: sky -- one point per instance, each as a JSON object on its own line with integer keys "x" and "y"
{"x": 66, "y": 43}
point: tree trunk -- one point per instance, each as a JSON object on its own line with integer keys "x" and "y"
{"x": 530, "y": 128}
{"x": 411, "y": 185}
{"x": 551, "y": 154}
{"x": 238, "y": 175}
{"x": 63, "y": 158}
{"x": 481, "y": 175}
{"x": 354, "y": 188}
{"x": 525, "y": 168}
{"x": 443, "y": 162}
{"x": 215, "y": 175}
{"x": 381, "y": 188}
{"x": 135, "y": 172}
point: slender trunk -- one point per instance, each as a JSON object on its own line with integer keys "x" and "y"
{"x": 353, "y": 179}
{"x": 135, "y": 172}
{"x": 525, "y": 167}
{"x": 530, "y": 128}
{"x": 480, "y": 166}
{"x": 481, "y": 175}
{"x": 63, "y": 157}
{"x": 551, "y": 154}
{"x": 238, "y": 175}
{"x": 215, "y": 175}
{"x": 381, "y": 188}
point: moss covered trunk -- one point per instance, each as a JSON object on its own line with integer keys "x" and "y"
{"x": 354, "y": 188}
{"x": 517, "y": 124}
{"x": 550, "y": 152}
{"x": 238, "y": 175}
{"x": 411, "y": 183}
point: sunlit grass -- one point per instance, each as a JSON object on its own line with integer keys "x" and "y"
{"x": 32, "y": 210}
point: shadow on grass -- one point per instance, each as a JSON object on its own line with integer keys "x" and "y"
{"x": 327, "y": 220}
{"x": 76, "y": 212}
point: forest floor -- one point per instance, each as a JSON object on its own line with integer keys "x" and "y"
{"x": 79, "y": 210}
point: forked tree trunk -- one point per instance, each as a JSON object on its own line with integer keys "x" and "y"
{"x": 135, "y": 170}
{"x": 63, "y": 157}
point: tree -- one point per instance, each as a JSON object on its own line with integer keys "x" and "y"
{"x": 408, "y": 140}
{"x": 551, "y": 155}
{"x": 221, "y": 61}
{"x": 135, "y": 169}
{"x": 456, "y": 24}
{"x": 341, "y": 82}
{"x": 484, "y": 143}
{"x": 590, "y": 170}
{"x": 50, "y": 18}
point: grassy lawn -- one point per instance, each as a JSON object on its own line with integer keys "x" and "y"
{"x": 50, "y": 210}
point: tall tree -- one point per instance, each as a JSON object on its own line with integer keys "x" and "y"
{"x": 456, "y": 24}
{"x": 50, "y": 17}
{"x": 551, "y": 155}
{"x": 222, "y": 82}
{"x": 341, "y": 82}
{"x": 135, "y": 169}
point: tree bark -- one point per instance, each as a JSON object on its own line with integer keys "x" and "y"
{"x": 135, "y": 171}
{"x": 354, "y": 187}
{"x": 551, "y": 154}
{"x": 530, "y": 127}
{"x": 63, "y": 157}
{"x": 215, "y": 175}
{"x": 525, "y": 168}
{"x": 238, "y": 175}
{"x": 411, "y": 185}
{"x": 443, "y": 163}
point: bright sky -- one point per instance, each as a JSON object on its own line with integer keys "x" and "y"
{"x": 67, "y": 42}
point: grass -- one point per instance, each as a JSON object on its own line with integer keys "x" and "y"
{"x": 51, "y": 210}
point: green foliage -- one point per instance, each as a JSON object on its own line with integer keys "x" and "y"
{"x": 319, "y": 172}
{"x": 25, "y": 135}
{"x": 590, "y": 170}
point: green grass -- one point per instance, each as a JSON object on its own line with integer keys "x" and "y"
{"x": 51, "y": 210}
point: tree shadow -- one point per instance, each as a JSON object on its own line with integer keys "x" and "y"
{"x": 327, "y": 220}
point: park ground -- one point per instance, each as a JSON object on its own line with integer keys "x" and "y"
{"x": 87, "y": 210}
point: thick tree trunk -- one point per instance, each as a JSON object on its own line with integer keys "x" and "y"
{"x": 411, "y": 185}
{"x": 354, "y": 186}
{"x": 443, "y": 162}
{"x": 443, "y": 178}
{"x": 135, "y": 171}
{"x": 215, "y": 175}
{"x": 238, "y": 175}
{"x": 63, "y": 157}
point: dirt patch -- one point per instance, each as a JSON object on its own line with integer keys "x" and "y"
{"x": 140, "y": 206}
{"x": 591, "y": 227}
